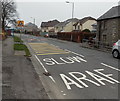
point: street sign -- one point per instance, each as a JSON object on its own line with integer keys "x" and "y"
{"x": 20, "y": 23}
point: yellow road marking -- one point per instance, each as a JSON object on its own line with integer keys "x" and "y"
{"x": 46, "y": 49}
{"x": 53, "y": 53}
{"x": 50, "y": 51}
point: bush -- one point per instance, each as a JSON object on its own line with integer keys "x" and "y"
{"x": 86, "y": 30}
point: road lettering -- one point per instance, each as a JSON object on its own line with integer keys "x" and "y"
{"x": 71, "y": 82}
{"x": 107, "y": 76}
{"x": 64, "y": 60}
{"x": 82, "y": 78}
{"x": 99, "y": 79}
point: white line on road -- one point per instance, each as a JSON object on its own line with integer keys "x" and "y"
{"x": 41, "y": 63}
{"x": 74, "y": 53}
{"x": 52, "y": 79}
{"x": 44, "y": 68}
{"x": 110, "y": 66}
{"x": 54, "y": 45}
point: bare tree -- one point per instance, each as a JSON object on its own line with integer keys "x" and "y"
{"x": 9, "y": 13}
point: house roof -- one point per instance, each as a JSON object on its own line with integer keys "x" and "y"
{"x": 66, "y": 22}
{"x": 83, "y": 20}
{"x": 71, "y": 20}
{"x": 49, "y": 23}
{"x": 112, "y": 13}
{"x": 60, "y": 24}
{"x": 30, "y": 26}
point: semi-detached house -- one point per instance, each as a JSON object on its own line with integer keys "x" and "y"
{"x": 48, "y": 26}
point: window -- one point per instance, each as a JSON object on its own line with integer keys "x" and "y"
{"x": 104, "y": 38}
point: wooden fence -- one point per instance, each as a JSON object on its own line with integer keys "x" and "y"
{"x": 74, "y": 36}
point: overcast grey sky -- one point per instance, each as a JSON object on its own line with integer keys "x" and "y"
{"x": 45, "y": 11}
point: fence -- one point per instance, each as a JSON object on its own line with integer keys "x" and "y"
{"x": 74, "y": 36}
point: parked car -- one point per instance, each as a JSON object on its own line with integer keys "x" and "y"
{"x": 116, "y": 49}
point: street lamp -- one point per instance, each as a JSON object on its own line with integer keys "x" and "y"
{"x": 72, "y": 15}
{"x": 72, "y": 7}
{"x": 33, "y": 20}
{"x": 33, "y": 30}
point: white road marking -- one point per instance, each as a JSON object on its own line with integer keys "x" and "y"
{"x": 62, "y": 91}
{"x": 45, "y": 69}
{"x": 110, "y": 66}
{"x": 64, "y": 60}
{"x": 41, "y": 64}
{"x": 74, "y": 53}
{"x": 54, "y": 45}
{"x": 52, "y": 79}
{"x": 64, "y": 94}
{"x": 71, "y": 82}
{"x": 98, "y": 80}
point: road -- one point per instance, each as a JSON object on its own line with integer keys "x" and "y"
{"x": 69, "y": 71}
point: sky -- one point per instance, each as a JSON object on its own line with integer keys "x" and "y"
{"x": 43, "y": 11}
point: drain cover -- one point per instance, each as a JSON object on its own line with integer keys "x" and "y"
{"x": 47, "y": 74}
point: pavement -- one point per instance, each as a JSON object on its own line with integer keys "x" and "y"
{"x": 19, "y": 78}
{"x": 74, "y": 72}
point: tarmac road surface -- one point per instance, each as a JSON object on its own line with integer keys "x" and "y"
{"x": 74, "y": 72}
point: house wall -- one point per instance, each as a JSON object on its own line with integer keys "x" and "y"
{"x": 69, "y": 27}
{"x": 88, "y": 25}
{"x": 77, "y": 27}
{"x": 46, "y": 29}
{"x": 49, "y": 28}
{"x": 58, "y": 29}
{"x": 108, "y": 30}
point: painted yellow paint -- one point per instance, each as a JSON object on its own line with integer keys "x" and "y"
{"x": 53, "y": 53}
{"x": 46, "y": 49}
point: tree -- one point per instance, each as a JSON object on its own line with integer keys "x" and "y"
{"x": 9, "y": 13}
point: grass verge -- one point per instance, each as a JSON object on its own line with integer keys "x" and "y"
{"x": 17, "y": 39}
{"x": 21, "y": 47}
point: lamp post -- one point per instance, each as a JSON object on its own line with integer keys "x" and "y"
{"x": 72, "y": 15}
{"x": 33, "y": 20}
{"x": 34, "y": 24}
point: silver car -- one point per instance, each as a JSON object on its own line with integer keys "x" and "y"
{"x": 116, "y": 49}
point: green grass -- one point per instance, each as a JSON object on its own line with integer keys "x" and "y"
{"x": 17, "y": 39}
{"x": 22, "y": 47}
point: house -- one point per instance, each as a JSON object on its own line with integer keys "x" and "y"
{"x": 59, "y": 27}
{"x": 85, "y": 23}
{"x": 108, "y": 26}
{"x": 30, "y": 28}
{"x": 66, "y": 26}
{"x": 48, "y": 26}
{"x": 94, "y": 28}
